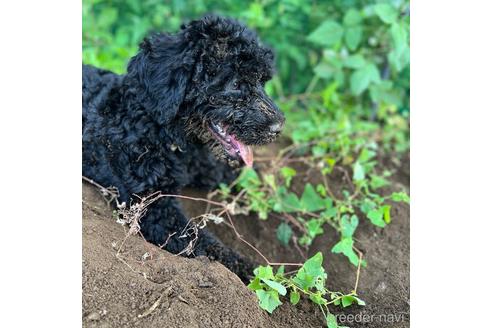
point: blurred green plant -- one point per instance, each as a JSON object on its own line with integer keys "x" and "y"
{"x": 362, "y": 45}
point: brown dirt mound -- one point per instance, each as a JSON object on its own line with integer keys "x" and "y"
{"x": 165, "y": 290}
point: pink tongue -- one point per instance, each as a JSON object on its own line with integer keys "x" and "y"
{"x": 245, "y": 152}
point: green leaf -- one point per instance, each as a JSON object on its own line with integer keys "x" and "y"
{"x": 276, "y": 286}
{"x": 399, "y": 57}
{"x": 353, "y": 36}
{"x": 321, "y": 190}
{"x": 345, "y": 247}
{"x": 324, "y": 70}
{"x": 108, "y": 17}
{"x": 289, "y": 202}
{"x": 329, "y": 94}
{"x": 386, "y": 213}
{"x": 400, "y": 197}
{"x": 288, "y": 173}
{"x": 361, "y": 78}
{"x": 386, "y": 12}
{"x": 280, "y": 271}
{"x": 270, "y": 180}
{"x": 329, "y": 213}
{"x": 269, "y": 300}
{"x": 349, "y": 225}
{"x": 359, "y": 172}
{"x": 399, "y": 37}
{"x": 348, "y": 300}
{"x": 343, "y": 208}
{"x": 367, "y": 205}
{"x": 314, "y": 228}
{"x": 264, "y": 272}
{"x": 352, "y": 17}
{"x": 378, "y": 182}
{"x": 376, "y": 217}
{"x": 294, "y": 297}
{"x": 355, "y": 61}
{"x": 255, "y": 284}
{"x": 249, "y": 178}
{"x": 359, "y": 301}
{"x": 310, "y": 272}
{"x": 366, "y": 155}
{"x": 359, "y": 81}
{"x": 386, "y": 93}
{"x": 331, "y": 321}
{"x": 399, "y": 60}
{"x": 310, "y": 200}
{"x": 313, "y": 264}
{"x": 284, "y": 232}
{"x": 327, "y": 34}
{"x": 292, "y": 203}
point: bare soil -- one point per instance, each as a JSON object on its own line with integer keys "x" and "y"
{"x": 130, "y": 283}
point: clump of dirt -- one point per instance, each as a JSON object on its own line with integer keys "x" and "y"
{"x": 129, "y": 283}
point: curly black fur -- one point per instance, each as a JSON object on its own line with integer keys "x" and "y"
{"x": 155, "y": 128}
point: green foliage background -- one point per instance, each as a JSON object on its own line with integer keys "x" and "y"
{"x": 361, "y": 45}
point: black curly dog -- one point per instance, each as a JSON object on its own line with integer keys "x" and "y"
{"x": 185, "y": 114}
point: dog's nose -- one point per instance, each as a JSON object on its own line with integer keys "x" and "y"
{"x": 276, "y": 128}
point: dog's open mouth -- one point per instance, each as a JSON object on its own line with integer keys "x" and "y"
{"x": 234, "y": 148}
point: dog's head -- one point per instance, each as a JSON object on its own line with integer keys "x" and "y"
{"x": 208, "y": 80}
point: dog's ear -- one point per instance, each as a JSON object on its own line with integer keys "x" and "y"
{"x": 160, "y": 73}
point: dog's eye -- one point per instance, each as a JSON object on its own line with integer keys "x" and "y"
{"x": 235, "y": 85}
